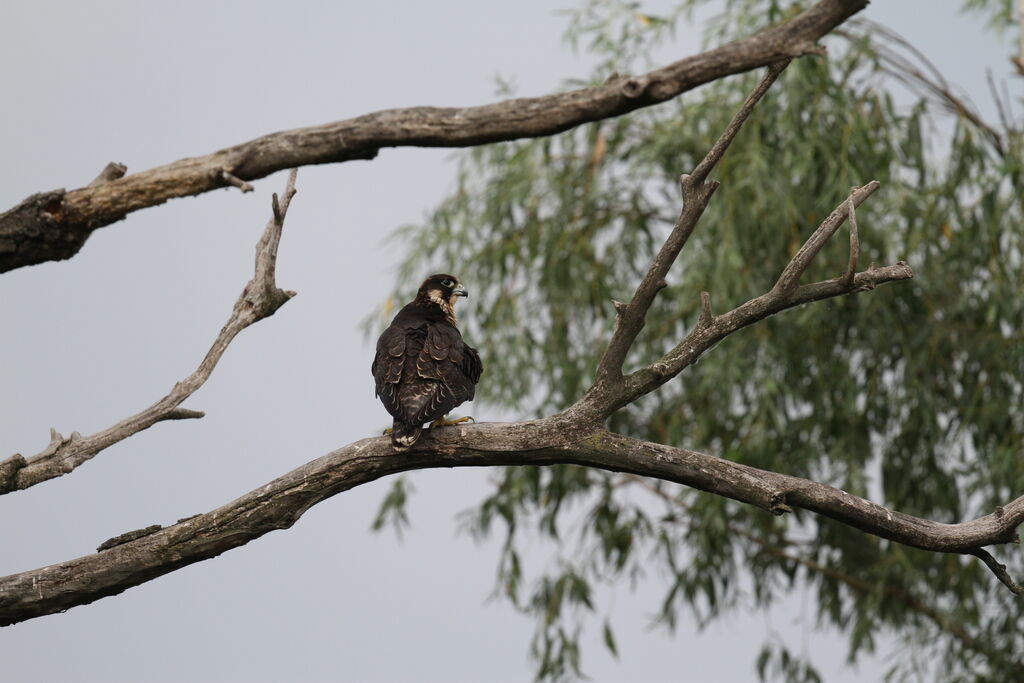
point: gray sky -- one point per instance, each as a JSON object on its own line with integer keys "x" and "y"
{"x": 89, "y": 341}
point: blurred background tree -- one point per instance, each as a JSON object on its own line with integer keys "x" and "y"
{"x": 912, "y": 397}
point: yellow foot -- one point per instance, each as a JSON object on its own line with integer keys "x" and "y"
{"x": 387, "y": 432}
{"x": 441, "y": 422}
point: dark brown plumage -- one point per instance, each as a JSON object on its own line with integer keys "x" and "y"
{"x": 422, "y": 368}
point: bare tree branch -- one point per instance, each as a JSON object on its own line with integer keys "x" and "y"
{"x": 235, "y": 182}
{"x": 998, "y": 569}
{"x": 703, "y": 337}
{"x": 696, "y": 194}
{"x": 611, "y": 391}
{"x": 851, "y": 266}
{"x": 556, "y": 440}
{"x": 259, "y": 299}
{"x": 790, "y": 276}
{"x": 54, "y": 225}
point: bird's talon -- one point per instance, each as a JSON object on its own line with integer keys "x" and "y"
{"x": 442, "y": 422}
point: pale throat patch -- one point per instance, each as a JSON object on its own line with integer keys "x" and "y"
{"x": 447, "y": 305}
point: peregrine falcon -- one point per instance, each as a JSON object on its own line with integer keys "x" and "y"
{"x": 422, "y": 368}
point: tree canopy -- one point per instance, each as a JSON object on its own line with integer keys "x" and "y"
{"x": 912, "y": 397}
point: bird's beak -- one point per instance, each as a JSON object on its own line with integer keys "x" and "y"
{"x": 460, "y": 291}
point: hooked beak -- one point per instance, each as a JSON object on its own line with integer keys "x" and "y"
{"x": 460, "y": 291}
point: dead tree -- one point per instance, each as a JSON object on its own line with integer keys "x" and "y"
{"x": 54, "y": 225}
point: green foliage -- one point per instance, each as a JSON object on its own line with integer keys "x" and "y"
{"x": 911, "y": 395}
{"x": 998, "y": 12}
{"x": 392, "y": 508}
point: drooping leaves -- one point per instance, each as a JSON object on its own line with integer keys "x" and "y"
{"x": 912, "y": 395}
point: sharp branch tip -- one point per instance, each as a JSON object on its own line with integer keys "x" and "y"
{"x": 231, "y": 179}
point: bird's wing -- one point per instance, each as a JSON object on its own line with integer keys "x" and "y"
{"x": 440, "y": 363}
{"x": 387, "y": 366}
{"x": 472, "y": 367}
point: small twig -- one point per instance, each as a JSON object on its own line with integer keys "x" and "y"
{"x": 259, "y": 299}
{"x": 851, "y": 267}
{"x": 183, "y": 414}
{"x": 111, "y": 171}
{"x": 266, "y": 249}
{"x": 705, "y": 310}
{"x": 998, "y": 569}
{"x": 714, "y": 155}
{"x": 790, "y": 276}
{"x": 230, "y": 179}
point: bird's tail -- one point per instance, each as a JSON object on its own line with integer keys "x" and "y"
{"x": 403, "y": 436}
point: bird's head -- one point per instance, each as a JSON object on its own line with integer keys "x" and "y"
{"x": 443, "y": 290}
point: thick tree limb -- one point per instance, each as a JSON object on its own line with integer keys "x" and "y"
{"x": 259, "y": 299}
{"x": 54, "y": 225}
{"x": 561, "y": 439}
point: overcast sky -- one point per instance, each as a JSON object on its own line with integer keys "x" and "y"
{"x": 89, "y": 341}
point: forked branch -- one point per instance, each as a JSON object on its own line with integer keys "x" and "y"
{"x": 611, "y": 391}
{"x": 696, "y": 193}
{"x": 786, "y": 293}
{"x": 260, "y": 298}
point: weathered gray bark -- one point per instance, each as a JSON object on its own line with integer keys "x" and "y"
{"x": 54, "y": 225}
{"x": 260, "y": 298}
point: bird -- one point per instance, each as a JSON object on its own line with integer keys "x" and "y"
{"x": 422, "y": 369}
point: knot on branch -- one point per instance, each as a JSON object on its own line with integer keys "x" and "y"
{"x": 706, "y": 316}
{"x": 9, "y": 469}
{"x": 111, "y": 171}
{"x": 635, "y": 86}
{"x": 777, "y": 504}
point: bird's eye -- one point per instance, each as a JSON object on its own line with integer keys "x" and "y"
{"x": 447, "y": 283}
